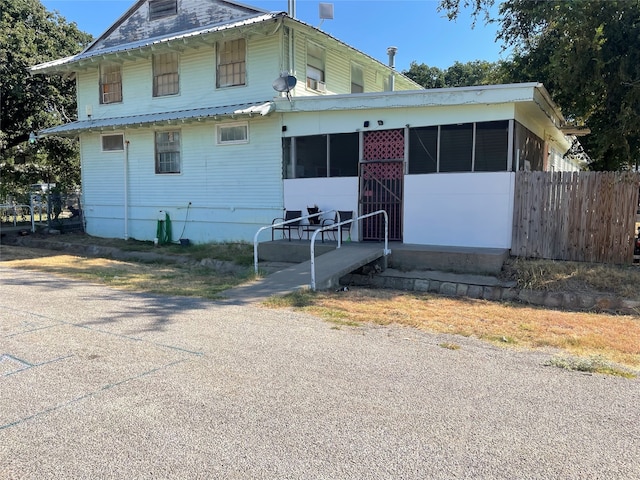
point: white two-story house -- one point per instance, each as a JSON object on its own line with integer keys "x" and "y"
{"x": 223, "y": 115}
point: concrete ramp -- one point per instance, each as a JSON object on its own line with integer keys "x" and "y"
{"x": 330, "y": 267}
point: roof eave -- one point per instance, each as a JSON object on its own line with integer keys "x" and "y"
{"x": 73, "y": 129}
{"x": 72, "y": 63}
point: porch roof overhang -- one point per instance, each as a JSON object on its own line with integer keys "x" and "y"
{"x": 532, "y": 93}
{"x": 164, "y": 118}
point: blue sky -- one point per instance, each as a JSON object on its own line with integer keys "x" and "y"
{"x": 420, "y": 32}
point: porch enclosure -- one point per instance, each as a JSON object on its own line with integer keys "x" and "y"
{"x": 576, "y": 216}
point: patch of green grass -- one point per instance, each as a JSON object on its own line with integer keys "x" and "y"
{"x": 593, "y": 364}
{"x": 299, "y": 299}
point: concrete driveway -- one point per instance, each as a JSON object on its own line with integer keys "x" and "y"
{"x": 96, "y": 383}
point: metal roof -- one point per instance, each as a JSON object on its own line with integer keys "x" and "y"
{"x": 59, "y": 64}
{"x": 100, "y": 124}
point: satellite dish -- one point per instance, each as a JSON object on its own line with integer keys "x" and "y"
{"x": 284, "y": 83}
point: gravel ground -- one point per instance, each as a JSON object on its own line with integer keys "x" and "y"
{"x": 99, "y": 383}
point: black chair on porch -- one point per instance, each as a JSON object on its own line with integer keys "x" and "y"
{"x": 344, "y": 215}
{"x": 288, "y": 227}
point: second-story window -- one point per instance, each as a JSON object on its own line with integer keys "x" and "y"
{"x": 110, "y": 83}
{"x": 315, "y": 67}
{"x": 357, "y": 78}
{"x": 165, "y": 74}
{"x": 231, "y": 63}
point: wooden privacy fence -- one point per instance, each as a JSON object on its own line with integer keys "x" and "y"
{"x": 578, "y": 216}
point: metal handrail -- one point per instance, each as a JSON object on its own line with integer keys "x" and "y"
{"x": 386, "y": 250}
{"x": 15, "y": 214}
{"x": 274, "y": 225}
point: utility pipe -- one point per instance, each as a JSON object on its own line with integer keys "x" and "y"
{"x": 126, "y": 190}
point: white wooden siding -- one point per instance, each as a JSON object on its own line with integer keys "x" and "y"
{"x": 233, "y": 189}
{"x": 197, "y": 83}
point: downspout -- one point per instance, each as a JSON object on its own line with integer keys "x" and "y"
{"x": 126, "y": 190}
{"x": 391, "y": 51}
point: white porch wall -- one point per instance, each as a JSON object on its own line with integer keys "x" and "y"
{"x": 344, "y": 121}
{"x": 459, "y": 209}
{"x": 339, "y": 193}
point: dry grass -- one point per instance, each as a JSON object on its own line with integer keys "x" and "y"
{"x": 612, "y": 338}
{"x": 549, "y": 275}
{"x": 167, "y": 279}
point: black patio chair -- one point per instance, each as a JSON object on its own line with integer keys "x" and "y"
{"x": 289, "y": 227}
{"x": 344, "y": 215}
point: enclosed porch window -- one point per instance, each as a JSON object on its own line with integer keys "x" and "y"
{"x": 315, "y": 156}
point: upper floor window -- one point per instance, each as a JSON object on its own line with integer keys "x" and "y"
{"x": 162, "y": 8}
{"x": 110, "y": 83}
{"x": 165, "y": 74}
{"x": 168, "y": 152}
{"x": 234, "y": 133}
{"x": 113, "y": 143}
{"x": 357, "y": 78}
{"x": 231, "y": 63}
{"x": 315, "y": 67}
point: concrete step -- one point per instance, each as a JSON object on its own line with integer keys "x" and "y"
{"x": 473, "y": 260}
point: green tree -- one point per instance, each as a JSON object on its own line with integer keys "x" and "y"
{"x": 428, "y": 77}
{"x": 29, "y": 35}
{"x": 587, "y": 53}
{"x": 478, "y": 72}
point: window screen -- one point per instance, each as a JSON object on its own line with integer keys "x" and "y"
{"x": 357, "y": 79}
{"x": 112, "y": 143}
{"x": 315, "y": 66}
{"x": 231, "y": 63}
{"x": 110, "y": 83}
{"x": 343, "y": 154}
{"x": 423, "y": 149}
{"x": 238, "y": 133}
{"x": 165, "y": 74}
{"x": 311, "y": 158}
{"x": 456, "y": 144}
{"x": 162, "y": 8}
{"x": 168, "y": 152}
{"x": 492, "y": 139}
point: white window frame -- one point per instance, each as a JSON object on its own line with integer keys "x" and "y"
{"x": 360, "y": 70}
{"x": 233, "y": 63}
{"x": 156, "y": 159}
{"x": 219, "y": 133}
{"x": 111, "y": 150}
{"x": 161, "y": 72}
{"x": 316, "y": 67}
{"x": 110, "y": 83}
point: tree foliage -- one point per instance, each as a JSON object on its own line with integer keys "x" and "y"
{"x": 29, "y": 35}
{"x": 478, "y": 72}
{"x": 587, "y": 54}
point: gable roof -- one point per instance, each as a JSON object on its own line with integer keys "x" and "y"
{"x": 222, "y": 15}
{"x": 134, "y": 25}
{"x": 69, "y": 64}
